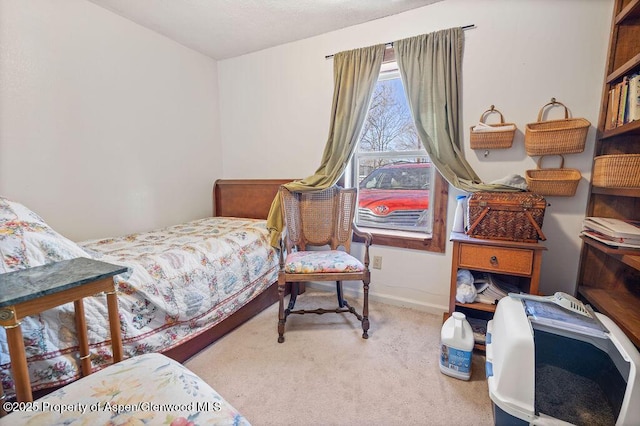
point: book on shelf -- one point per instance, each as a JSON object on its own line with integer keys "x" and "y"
{"x": 622, "y": 108}
{"x": 614, "y": 228}
{"x": 633, "y": 98}
{"x": 624, "y": 102}
{"x": 611, "y": 121}
{"x": 614, "y": 242}
{"x": 608, "y": 123}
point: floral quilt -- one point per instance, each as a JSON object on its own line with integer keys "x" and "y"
{"x": 182, "y": 280}
{"x": 147, "y": 389}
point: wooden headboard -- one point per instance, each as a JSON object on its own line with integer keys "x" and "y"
{"x": 245, "y": 197}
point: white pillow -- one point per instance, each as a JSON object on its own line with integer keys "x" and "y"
{"x": 27, "y": 241}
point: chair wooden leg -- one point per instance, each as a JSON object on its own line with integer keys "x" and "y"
{"x": 295, "y": 289}
{"x": 281, "y": 317}
{"x": 341, "y": 301}
{"x": 365, "y": 311}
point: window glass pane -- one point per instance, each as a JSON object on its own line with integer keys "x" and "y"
{"x": 391, "y": 167}
{"x": 394, "y": 192}
{"x": 389, "y": 126}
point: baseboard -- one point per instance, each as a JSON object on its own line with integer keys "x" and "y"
{"x": 383, "y": 298}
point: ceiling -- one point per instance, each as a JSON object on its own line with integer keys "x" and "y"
{"x": 223, "y": 29}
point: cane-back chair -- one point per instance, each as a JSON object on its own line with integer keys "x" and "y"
{"x": 321, "y": 219}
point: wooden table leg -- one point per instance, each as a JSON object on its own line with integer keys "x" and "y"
{"x": 114, "y": 325}
{"x": 3, "y": 398}
{"x": 3, "y": 412}
{"x": 83, "y": 340}
{"x": 19, "y": 363}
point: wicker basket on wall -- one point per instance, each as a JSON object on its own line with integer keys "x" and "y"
{"x": 497, "y": 139}
{"x": 564, "y": 136}
{"x": 617, "y": 171}
{"x": 560, "y": 182}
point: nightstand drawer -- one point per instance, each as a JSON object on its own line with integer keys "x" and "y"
{"x": 496, "y": 259}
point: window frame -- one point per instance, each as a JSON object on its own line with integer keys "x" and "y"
{"x": 439, "y": 196}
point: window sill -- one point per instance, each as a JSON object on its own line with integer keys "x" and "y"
{"x": 402, "y": 239}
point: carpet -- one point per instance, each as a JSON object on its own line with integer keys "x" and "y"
{"x": 326, "y": 374}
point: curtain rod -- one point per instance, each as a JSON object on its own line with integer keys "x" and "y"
{"x": 390, "y": 44}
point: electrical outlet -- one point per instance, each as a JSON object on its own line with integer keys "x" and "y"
{"x": 377, "y": 262}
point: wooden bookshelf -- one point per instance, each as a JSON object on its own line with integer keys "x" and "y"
{"x": 609, "y": 277}
{"x": 477, "y": 306}
{"x": 618, "y": 305}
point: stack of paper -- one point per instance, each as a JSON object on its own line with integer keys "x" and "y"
{"x": 491, "y": 288}
{"x": 613, "y": 232}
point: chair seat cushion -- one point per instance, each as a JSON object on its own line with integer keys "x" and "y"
{"x": 315, "y": 262}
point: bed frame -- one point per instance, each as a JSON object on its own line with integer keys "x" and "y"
{"x": 249, "y": 198}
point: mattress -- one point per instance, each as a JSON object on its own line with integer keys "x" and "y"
{"x": 147, "y": 389}
{"x": 181, "y": 281}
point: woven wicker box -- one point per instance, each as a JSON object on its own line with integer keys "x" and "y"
{"x": 617, "y": 171}
{"x": 511, "y": 216}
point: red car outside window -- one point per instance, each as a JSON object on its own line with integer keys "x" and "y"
{"x": 395, "y": 196}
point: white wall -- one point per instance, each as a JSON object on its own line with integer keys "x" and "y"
{"x": 108, "y": 128}
{"x": 276, "y": 104}
{"x": 105, "y": 127}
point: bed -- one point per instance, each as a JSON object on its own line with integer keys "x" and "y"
{"x": 186, "y": 286}
{"x": 144, "y": 389}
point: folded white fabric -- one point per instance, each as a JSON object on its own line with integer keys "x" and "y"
{"x": 514, "y": 180}
{"x": 481, "y": 127}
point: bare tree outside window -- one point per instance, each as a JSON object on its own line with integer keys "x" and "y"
{"x": 389, "y": 126}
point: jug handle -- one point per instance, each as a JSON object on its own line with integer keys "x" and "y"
{"x": 458, "y": 327}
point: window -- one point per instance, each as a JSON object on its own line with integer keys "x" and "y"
{"x": 398, "y": 189}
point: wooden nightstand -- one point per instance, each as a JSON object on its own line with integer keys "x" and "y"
{"x": 518, "y": 260}
{"x": 34, "y": 290}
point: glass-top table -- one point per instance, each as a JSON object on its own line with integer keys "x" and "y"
{"x": 33, "y": 290}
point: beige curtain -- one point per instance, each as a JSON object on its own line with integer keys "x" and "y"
{"x": 355, "y": 75}
{"x": 431, "y": 70}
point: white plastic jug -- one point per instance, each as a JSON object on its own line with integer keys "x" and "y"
{"x": 456, "y": 347}
{"x": 458, "y": 218}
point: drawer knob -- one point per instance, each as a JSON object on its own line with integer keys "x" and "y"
{"x": 493, "y": 260}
